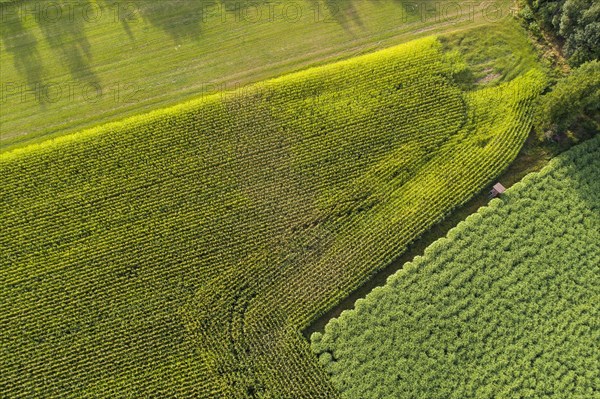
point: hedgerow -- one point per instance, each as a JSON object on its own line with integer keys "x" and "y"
{"x": 179, "y": 253}
{"x": 504, "y": 306}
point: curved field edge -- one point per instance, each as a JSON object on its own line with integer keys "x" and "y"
{"x": 499, "y": 120}
{"x": 163, "y": 53}
{"x": 274, "y": 84}
{"x": 505, "y": 305}
{"x": 185, "y": 257}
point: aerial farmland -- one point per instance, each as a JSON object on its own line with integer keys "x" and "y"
{"x": 346, "y": 199}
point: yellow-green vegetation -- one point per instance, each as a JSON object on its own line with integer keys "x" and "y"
{"x": 495, "y": 54}
{"x": 505, "y": 306}
{"x": 180, "y": 253}
{"x": 69, "y": 65}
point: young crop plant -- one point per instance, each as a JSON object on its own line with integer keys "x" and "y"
{"x": 180, "y": 253}
{"x": 504, "y": 306}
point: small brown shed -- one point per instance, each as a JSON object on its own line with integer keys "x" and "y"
{"x": 497, "y": 190}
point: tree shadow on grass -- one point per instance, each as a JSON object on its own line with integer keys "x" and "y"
{"x": 63, "y": 26}
{"x": 343, "y": 12}
{"x": 180, "y": 19}
{"x": 22, "y": 45}
{"x": 346, "y": 14}
{"x": 67, "y": 39}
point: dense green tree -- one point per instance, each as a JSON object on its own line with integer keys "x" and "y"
{"x": 575, "y": 23}
{"x": 573, "y": 102}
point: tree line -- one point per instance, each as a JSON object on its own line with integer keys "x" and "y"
{"x": 571, "y": 108}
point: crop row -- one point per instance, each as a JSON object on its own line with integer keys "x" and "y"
{"x": 505, "y": 305}
{"x": 179, "y": 253}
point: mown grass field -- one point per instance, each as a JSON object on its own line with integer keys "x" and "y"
{"x": 181, "y": 252}
{"x": 505, "y": 306}
{"x": 69, "y": 65}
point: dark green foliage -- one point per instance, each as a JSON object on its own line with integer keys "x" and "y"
{"x": 505, "y": 307}
{"x": 573, "y": 102}
{"x": 576, "y": 23}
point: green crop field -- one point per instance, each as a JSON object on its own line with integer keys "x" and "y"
{"x": 505, "y": 306}
{"x": 180, "y": 253}
{"x": 74, "y": 64}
